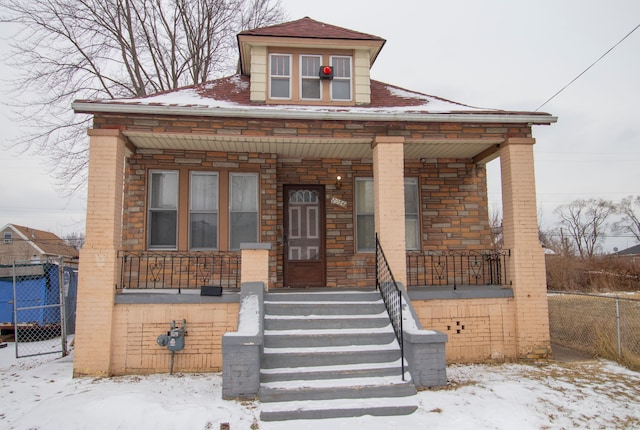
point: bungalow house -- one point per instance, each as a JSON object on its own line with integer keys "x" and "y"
{"x": 20, "y": 243}
{"x": 298, "y": 172}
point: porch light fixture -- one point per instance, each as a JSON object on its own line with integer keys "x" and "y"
{"x": 326, "y": 72}
{"x": 339, "y": 183}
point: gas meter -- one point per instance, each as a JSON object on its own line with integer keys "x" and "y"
{"x": 174, "y": 339}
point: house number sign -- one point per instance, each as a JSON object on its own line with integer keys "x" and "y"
{"x": 336, "y": 201}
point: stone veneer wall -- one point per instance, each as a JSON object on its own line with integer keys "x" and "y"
{"x": 138, "y": 165}
{"x": 453, "y": 201}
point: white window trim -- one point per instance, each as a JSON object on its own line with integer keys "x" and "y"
{"x": 315, "y": 76}
{"x": 8, "y": 237}
{"x": 350, "y": 78}
{"x": 414, "y": 181}
{"x": 150, "y": 209}
{"x": 216, "y": 211}
{"x": 257, "y": 202}
{"x": 357, "y": 209}
{"x": 289, "y": 76}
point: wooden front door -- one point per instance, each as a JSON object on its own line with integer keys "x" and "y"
{"x": 304, "y": 239}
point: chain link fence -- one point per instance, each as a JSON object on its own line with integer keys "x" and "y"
{"x": 38, "y": 303}
{"x": 602, "y": 326}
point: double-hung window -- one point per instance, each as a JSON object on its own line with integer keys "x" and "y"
{"x": 203, "y": 210}
{"x": 7, "y": 237}
{"x": 280, "y": 76}
{"x": 310, "y": 84}
{"x": 411, "y": 214}
{"x": 163, "y": 209}
{"x": 365, "y": 222}
{"x": 365, "y": 217}
{"x": 243, "y": 209}
{"x": 341, "y": 83}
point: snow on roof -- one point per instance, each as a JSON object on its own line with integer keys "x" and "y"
{"x": 232, "y": 92}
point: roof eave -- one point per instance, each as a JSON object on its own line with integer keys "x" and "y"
{"x": 274, "y": 113}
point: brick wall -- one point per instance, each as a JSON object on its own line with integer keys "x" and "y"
{"x": 136, "y": 328}
{"x": 479, "y": 330}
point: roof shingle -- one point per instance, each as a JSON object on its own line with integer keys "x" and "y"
{"x": 310, "y": 29}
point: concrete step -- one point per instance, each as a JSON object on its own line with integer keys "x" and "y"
{"x": 339, "y": 408}
{"x": 331, "y": 389}
{"x": 325, "y": 322}
{"x": 328, "y": 337}
{"x": 308, "y": 307}
{"x": 274, "y": 358}
{"x": 323, "y": 295}
{"x": 331, "y": 354}
{"x": 346, "y": 371}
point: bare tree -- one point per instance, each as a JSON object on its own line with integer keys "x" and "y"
{"x": 495, "y": 224}
{"x": 75, "y": 240}
{"x": 88, "y": 49}
{"x": 629, "y": 209}
{"x": 585, "y": 223}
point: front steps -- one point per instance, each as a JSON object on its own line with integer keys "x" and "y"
{"x": 331, "y": 354}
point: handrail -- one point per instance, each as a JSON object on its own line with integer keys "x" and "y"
{"x": 391, "y": 295}
{"x": 178, "y": 270}
{"x": 457, "y": 267}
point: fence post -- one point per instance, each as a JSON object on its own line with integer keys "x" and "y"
{"x": 618, "y": 327}
{"x": 63, "y": 308}
{"x": 15, "y": 310}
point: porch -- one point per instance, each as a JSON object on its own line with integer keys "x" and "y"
{"x": 178, "y": 271}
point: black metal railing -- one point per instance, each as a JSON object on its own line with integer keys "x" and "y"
{"x": 392, "y": 297}
{"x": 178, "y": 270}
{"x": 434, "y": 268}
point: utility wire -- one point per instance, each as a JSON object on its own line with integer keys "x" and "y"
{"x": 587, "y": 69}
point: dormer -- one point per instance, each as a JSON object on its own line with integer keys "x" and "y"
{"x": 308, "y": 62}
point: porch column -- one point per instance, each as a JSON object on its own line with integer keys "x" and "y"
{"x": 526, "y": 266}
{"x": 388, "y": 189}
{"x": 98, "y": 271}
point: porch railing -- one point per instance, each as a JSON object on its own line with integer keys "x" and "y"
{"x": 392, "y": 297}
{"x": 453, "y": 268}
{"x": 178, "y": 270}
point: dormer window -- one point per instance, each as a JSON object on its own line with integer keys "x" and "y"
{"x": 310, "y": 84}
{"x": 280, "y": 76}
{"x": 341, "y": 83}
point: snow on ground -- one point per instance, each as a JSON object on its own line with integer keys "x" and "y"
{"x": 38, "y": 393}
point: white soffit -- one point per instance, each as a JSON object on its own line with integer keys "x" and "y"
{"x": 347, "y": 148}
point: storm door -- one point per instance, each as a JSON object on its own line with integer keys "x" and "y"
{"x": 304, "y": 239}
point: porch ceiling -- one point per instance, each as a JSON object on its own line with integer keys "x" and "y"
{"x": 310, "y": 147}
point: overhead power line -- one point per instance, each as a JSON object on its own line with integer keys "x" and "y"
{"x": 587, "y": 69}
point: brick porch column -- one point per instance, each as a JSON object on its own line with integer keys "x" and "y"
{"x": 388, "y": 186}
{"x": 526, "y": 267}
{"x": 98, "y": 271}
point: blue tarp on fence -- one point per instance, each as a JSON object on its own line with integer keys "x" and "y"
{"x": 39, "y": 292}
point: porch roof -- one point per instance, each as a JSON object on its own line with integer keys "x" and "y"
{"x": 229, "y": 98}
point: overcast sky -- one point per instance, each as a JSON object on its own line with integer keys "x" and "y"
{"x": 504, "y": 54}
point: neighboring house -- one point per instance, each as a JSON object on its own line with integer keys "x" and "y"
{"x": 28, "y": 244}
{"x": 632, "y": 251}
{"x": 304, "y": 156}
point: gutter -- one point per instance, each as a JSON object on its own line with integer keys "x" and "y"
{"x": 272, "y": 113}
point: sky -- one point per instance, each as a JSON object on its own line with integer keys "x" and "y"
{"x": 40, "y": 393}
{"x": 497, "y": 54}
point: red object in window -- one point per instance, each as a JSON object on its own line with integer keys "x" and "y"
{"x": 326, "y": 72}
